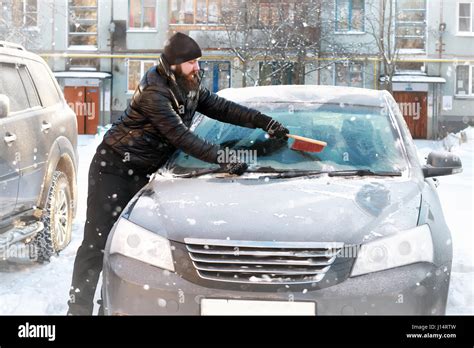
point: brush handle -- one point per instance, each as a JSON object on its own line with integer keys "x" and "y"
{"x": 307, "y": 140}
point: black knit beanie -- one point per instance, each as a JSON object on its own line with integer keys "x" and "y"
{"x": 180, "y": 48}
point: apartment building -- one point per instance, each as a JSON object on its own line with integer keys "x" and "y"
{"x": 99, "y": 49}
{"x": 450, "y": 50}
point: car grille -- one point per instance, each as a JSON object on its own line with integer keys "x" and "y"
{"x": 262, "y": 262}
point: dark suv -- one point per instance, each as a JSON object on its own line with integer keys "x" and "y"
{"x": 38, "y": 159}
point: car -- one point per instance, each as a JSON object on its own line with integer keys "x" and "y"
{"x": 38, "y": 159}
{"x": 354, "y": 229}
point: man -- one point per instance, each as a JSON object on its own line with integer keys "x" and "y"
{"x": 152, "y": 127}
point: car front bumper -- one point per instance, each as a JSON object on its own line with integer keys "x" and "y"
{"x": 132, "y": 287}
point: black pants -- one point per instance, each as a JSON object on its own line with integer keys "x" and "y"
{"x": 111, "y": 186}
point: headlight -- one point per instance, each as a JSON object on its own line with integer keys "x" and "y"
{"x": 138, "y": 243}
{"x": 403, "y": 248}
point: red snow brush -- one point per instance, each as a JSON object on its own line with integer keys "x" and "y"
{"x": 306, "y": 144}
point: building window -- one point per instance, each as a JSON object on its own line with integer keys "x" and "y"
{"x": 136, "y": 69}
{"x": 279, "y": 73}
{"x": 466, "y": 17}
{"x": 410, "y": 66}
{"x": 142, "y": 14}
{"x": 349, "y": 74}
{"x": 349, "y": 15}
{"x": 182, "y": 12}
{"x": 465, "y": 80}
{"x": 83, "y": 64}
{"x": 199, "y": 12}
{"x": 25, "y": 13}
{"x": 83, "y": 24}
{"x": 410, "y": 24}
{"x": 270, "y": 12}
{"x": 216, "y": 75}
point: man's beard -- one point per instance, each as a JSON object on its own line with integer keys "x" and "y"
{"x": 187, "y": 83}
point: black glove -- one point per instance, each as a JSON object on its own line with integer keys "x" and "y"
{"x": 272, "y": 127}
{"x": 236, "y": 168}
{"x": 277, "y": 130}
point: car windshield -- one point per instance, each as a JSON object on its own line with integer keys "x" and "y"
{"x": 358, "y": 137}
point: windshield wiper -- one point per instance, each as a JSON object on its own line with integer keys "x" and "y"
{"x": 363, "y": 172}
{"x": 283, "y": 174}
{"x": 293, "y": 173}
{"x": 196, "y": 173}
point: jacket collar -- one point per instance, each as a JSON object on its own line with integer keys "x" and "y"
{"x": 164, "y": 70}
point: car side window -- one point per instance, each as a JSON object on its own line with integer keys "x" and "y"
{"x": 44, "y": 84}
{"x": 12, "y": 87}
{"x": 29, "y": 87}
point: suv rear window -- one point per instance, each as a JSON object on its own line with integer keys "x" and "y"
{"x": 12, "y": 87}
{"x": 44, "y": 84}
{"x": 29, "y": 87}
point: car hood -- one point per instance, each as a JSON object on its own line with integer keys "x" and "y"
{"x": 351, "y": 210}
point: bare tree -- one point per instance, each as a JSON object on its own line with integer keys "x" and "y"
{"x": 381, "y": 26}
{"x": 16, "y": 17}
{"x": 277, "y": 35}
{"x": 241, "y": 38}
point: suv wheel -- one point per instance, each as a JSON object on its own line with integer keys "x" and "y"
{"x": 57, "y": 219}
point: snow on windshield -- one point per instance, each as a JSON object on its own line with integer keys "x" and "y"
{"x": 357, "y": 137}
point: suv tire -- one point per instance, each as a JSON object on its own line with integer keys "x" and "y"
{"x": 57, "y": 219}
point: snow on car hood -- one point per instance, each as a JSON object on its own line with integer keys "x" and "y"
{"x": 322, "y": 209}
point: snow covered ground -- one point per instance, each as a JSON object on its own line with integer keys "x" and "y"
{"x": 456, "y": 193}
{"x": 43, "y": 289}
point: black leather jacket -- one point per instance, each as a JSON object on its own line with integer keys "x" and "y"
{"x": 157, "y": 120}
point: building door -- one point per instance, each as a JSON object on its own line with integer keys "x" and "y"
{"x": 85, "y": 103}
{"x": 216, "y": 75}
{"x": 414, "y": 106}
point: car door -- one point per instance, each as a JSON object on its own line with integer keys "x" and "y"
{"x": 9, "y": 173}
{"x": 10, "y": 156}
{"x": 37, "y": 138}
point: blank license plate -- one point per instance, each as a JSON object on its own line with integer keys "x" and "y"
{"x": 243, "y": 307}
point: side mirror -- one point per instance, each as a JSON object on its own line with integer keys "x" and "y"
{"x": 442, "y": 163}
{"x": 4, "y": 106}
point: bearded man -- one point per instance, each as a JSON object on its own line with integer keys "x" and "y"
{"x": 154, "y": 125}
